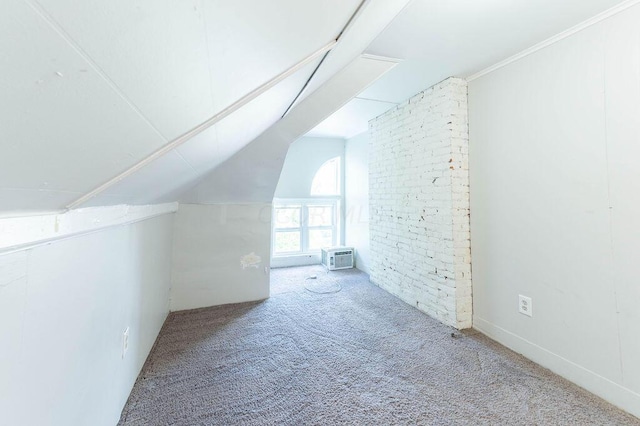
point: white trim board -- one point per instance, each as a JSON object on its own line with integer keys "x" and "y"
{"x": 558, "y": 37}
{"x": 382, "y": 58}
{"x": 606, "y": 389}
{"x": 182, "y": 139}
{"x": 295, "y": 260}
{"x": 21, "y": 233}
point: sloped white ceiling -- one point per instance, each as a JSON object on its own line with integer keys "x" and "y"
{"x": 90, "y": 88}
{"x": 62, "y": 126}
{"x": 352, "y": 119}
{"x": 164, "y": 179}
{"x": 442, "y": 38}
{"x": 436, "y": 39}
{"x": 370, "y": 20}
{"x": 169, "y": 177}
{"x": 252, "y": 174}
{"x": 182, "y": 61}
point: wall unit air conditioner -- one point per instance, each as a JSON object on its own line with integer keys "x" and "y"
{"x": 337, "y": 257}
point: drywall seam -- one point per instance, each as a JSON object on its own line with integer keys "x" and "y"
{"x": 383, "y": 59}
{"x": 315, "y": 70}
{"x": 374, "y": 100}
{"x": 613, "y": 280}
{"x": 605, "y": 388}
{"x": 399, "y": 104}
{"x": 262, "y": 154}
{"x": 22, "y": 233}
{"x": 556, "y": 38}
{"x": 203, "y": 5}
{"x": 180, "y": 140}
{"x": 187, "y": 162}
{"x": 374, "y": 17}
{"x": 40, "y": 10}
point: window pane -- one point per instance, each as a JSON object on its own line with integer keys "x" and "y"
{"x": 287, "y": 217}
{"x": 287, "y": 242}
{"x": 326, "y": 181}
{"x": 321, "y": 216}
{"x": 319, "y": 238}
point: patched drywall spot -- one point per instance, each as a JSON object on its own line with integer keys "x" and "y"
{"x": 250, "y": 260}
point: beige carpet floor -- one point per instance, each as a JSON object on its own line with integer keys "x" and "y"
{"x": 339, "y": 351}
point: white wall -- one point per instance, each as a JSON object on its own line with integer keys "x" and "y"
{"x": 356, "y": 221}
{"x": 555, "y": 202}
{"x": 63, "y": 309}
{"x": 211, "y": 243}
{"x": 304, "y": 158}
{"x": 419, "y": 203}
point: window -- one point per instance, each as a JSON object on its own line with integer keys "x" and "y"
{"x": 327, "y": 179}
{"x": 288, "y": 231}
{"x": 305, "y": 226}
{"x": 320, "y": 226}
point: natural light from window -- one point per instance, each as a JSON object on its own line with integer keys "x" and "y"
{"x": 306, "y": 225}
{"x": 327, "y": 179}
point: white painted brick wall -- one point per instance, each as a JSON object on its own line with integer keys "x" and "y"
{"x": 419, "y": 203}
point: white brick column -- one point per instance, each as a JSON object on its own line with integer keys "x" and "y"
{"x": 419, "y": 203}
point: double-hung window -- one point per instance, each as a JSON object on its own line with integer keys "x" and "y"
{"x": 304, "y": 226}
{"x": 287, "y": 220}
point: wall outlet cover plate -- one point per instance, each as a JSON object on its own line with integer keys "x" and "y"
{"x": 525, "y": 305}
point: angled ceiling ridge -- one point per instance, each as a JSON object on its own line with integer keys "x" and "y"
{"x": 204, "y": 125}
{"x": 251, "y": 174}
{"x": 351, "y": 19}
{"x": 55, "y": 26}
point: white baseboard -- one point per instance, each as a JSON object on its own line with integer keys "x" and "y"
{"x": 297, "y": 260}
{"x": 606, "y": 389}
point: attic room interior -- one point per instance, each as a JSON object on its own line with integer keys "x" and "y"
{"x": 245, "y": 212}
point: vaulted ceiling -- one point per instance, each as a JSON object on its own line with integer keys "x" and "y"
{"x": 90, "y": 89}
{"x": 436, "y": 39}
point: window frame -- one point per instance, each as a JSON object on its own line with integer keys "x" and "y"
{"x": 304, "y": 204}
{"x": 338, "y": 178}
{"x": 275, "y": 229}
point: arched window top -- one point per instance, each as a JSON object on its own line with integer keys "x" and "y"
{"x": 327, "y": 178}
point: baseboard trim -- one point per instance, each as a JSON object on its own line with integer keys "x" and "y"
{"x": 606, "y": 389}
{"x": 295, "y": 260}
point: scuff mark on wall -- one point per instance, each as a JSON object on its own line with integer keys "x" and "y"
{"x": 250, "y": 260}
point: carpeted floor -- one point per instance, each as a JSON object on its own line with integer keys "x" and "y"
{"x": 338, "y": 350}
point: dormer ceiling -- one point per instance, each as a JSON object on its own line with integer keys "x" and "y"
{"x": 90, "y": 88}
{"x": 436, "y": 39}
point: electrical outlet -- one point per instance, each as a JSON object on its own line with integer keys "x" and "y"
{"x": 125, "y": 342}
{"x": 525, "y": 305}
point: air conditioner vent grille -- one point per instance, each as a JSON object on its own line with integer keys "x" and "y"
{"x": 337, "y": 257}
